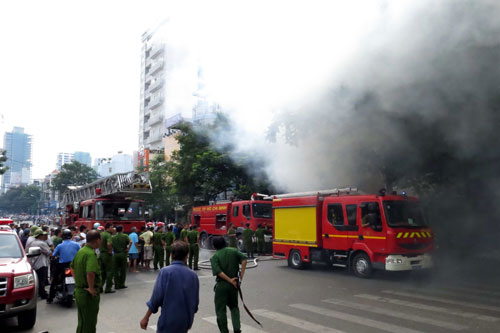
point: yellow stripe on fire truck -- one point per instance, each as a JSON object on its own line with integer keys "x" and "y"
{"x": 415, "y": 234}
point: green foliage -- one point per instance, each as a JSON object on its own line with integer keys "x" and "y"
{"x": 74, "y": 173}
{"x": 162, "y": 201}
{"x": 3, "y": 159}
{"x": 25, "y": 199}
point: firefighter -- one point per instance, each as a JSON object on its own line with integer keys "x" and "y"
{"x": 259, "y": 234}
{"x": 194, "y": 247}
{"x": 184, "y": 233}
{"x": 169, "y": 238}
{"x": 248, "y": 235}
{"x": 158, "y": 246}
{"x": 121, "y": 244}
{"x": 106, "y": 260}
{"x": 231, "y": 235}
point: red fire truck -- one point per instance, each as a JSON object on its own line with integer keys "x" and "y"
{"x": 113, "y": 199}
{"x": 362, "y": 232}
{"x": 215, "y": 219}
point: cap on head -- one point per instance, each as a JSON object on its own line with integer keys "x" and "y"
{"x": 38, "y": 233}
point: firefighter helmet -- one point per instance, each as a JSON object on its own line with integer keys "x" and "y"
{"x": 160, "y": 224}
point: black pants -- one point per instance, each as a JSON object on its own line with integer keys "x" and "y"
{"x": 57, "y": 277}
{"x": 42, "y": 279}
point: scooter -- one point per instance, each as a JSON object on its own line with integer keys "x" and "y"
{"x": 66, "y": 289}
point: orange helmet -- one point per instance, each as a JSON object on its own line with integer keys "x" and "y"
{"x": 149, "y": 224}
{"x": 100, "y": 228}
{"x": 160, "y": 224}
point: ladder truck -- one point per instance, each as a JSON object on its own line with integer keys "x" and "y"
{"x": 114, "y": 199}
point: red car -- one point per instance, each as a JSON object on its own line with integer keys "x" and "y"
{"x": 18, "y": 280}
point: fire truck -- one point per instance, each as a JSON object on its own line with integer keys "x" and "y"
{"x": 114, "y": 199}
{"x": 215, "y": 219}
{"x": 347, "y": 229}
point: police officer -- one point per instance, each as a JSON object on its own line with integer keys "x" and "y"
{"x": 169, "y": 238}
{"x": 158, "y": 246}
{"x": 121, "y": 243}
{"x": 106, "y": 259}
{"x": 231, "y": 235}
{"x": 184, "y": 233}
{"x": 259, "y": 234}
{"x": 87, "y": 275}
{"x": 194, "y": 247}
{"x": 225, "y": 266}
{"x": 248, "y": 241}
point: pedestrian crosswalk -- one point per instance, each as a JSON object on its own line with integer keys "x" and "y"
{"x": 397, "y": 311}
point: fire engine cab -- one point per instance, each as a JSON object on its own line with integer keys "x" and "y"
{"x": 113, "y": 199}
{"x": 346, "y": 229}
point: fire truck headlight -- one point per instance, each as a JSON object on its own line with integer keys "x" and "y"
{"x": 393, "y": 261}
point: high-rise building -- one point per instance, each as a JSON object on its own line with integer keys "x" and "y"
{"x": 83, "y": 158}
{"x": 63, "y": 158}
{"x": 19, "y": 152}
{"x": 108, "y": 166}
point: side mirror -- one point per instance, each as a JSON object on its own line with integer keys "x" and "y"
{"x": 33, "y": 252}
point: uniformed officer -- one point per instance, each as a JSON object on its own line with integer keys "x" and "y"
{"x": 248, "y": 241}
{"x": 169, "y": 238}
{"x": 231, "y": 235}
{"x": 194, "y": 247}
{"x": 259, "y": 234}
{"x": 225, "y": 266}
{"x": 106, "y": 259}
{"x": 184, "y": 233}
{"x": 121, "y": 244}
{"x": 87, "y": 275}
{"x": 158, "y": 246}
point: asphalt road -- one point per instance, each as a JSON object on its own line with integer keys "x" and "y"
{"x": 319, "y": 299}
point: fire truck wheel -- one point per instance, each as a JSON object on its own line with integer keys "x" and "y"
{"x": 362, "y": 265}
{"x": 295, "y": 260}
{"x": 239, "y": 244}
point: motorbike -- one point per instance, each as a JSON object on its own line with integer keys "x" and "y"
{"x": 66, "y": 289}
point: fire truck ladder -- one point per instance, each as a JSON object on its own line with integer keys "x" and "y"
{"x": 324, "y": 193}
{"x": 118, "y": 184}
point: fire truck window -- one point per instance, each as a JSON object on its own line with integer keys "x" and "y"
{"x": 84, "y": 212}
{"x": 246, "y": 210}
{"x": 335, "y": 214}
{"x": 370, "y": 215}
{"x": 220, "y": 221}
{"x": 90, "y": 211}
{"x": 236, "y": 210}
{"x": 352, "y": 214}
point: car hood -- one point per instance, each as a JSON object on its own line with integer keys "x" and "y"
{"x": 14, "y": 266}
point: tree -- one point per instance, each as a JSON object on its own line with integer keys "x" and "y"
{"x": 24, "y": 199}
{"x": 162, "y": 200}
{"x": 74, "y": 173}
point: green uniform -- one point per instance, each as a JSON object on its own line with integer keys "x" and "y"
{"x": 184, "y": 234}
{"x": 120, "y": 242}
{"x": 106, "y": 259}
{"x": 259, "y": 234}
{"x": 158, "y": 249}
{"x": 85, "y": 261}
{"x": 57, "y": 241}
{"x": 169, "y": 239}
{"x": 247, "y": 241}
{"x": 232, "y": 240}
{"x": 194, "y": 248}
{"x": 226, "y": 260}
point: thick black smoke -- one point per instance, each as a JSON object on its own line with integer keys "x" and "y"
{"x": 417, "y": 108}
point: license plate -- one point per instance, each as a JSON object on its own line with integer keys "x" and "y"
{"x": 416, "y": 267}
{"x": 70, "y": 280}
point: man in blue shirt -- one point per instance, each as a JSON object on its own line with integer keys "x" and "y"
{"x": 66, "y": 252}
{"x": 177, "y": 292}
{"x": 133, "y": 252}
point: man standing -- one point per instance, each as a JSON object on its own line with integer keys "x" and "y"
{"x": 83, "y": 235}
{"x": 248, "y": 241}
{"x": 169, "y": 238}
{"x": 106, "y": 259}
{"x": 87, "y": 283}
{"x": 184, "y": 233}
{"x": 225, "y": 266}
{"x": 41, "y": 263}
{"x": 158, "y": 247}
{"x": 231, "y": 235}
{"x": 57, "y": 239}
{"x": 133, "y": 252}
{"x": 176, "y": 291}
{"x": 259, "y": 234}
{"x": 148, "y": 247}
{"x": 194, "y": 247}
{"x": 121, "y": 244}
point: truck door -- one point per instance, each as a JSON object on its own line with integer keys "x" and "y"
{"x": 372, "y": 231}
{"x": 352, "y": 223}
{"x": 334, "y": 233}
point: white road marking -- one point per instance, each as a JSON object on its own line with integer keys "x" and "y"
{"x": 355, "y": 319}
{"x": 244, "y": 328}
{"x": 442, "y": 300}
{"x": 420, "y": 306}
{"x": 292, "y": 321}
{"x": 397, "y": 314}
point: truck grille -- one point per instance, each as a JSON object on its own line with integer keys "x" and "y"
{"x": 3, "y": 286}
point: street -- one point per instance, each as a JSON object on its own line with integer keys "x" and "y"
{"x": 318, "y": 299}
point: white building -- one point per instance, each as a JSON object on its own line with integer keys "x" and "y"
{"x": 108, "y": 166}
{"x": 63, "y": 158}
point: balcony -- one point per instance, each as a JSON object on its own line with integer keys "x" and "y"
{"x": 156, "y": 50}
{"x": 155, "y": 119}
{"x": 156, "y": 85}
{"x": 157, "y": 66}
{"x": 155, "y": 102}
{"x": 155, "y": 137}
